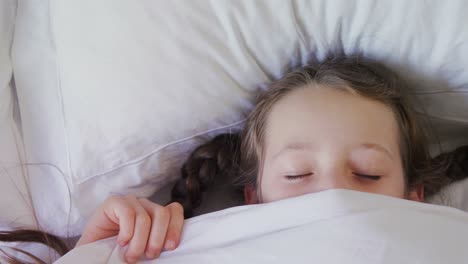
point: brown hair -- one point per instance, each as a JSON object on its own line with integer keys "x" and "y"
{"x": 24, "y": 235}
{"x": 238, "y": 156}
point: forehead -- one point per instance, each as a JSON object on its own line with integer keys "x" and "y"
{"x": 320, "y": 114}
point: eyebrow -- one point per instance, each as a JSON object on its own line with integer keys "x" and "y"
{"x": 302, "y": 146}
{"x": 296, "y": 146}
{"x": 378, "y": 148}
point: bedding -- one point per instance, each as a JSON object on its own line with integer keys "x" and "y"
{"x": 114, "y": 94}
{"x": 335, "y": 226}
{"x": 13, "y": 189}
{"x": 15, "y": 205}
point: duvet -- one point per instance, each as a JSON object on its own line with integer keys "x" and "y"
{"x": 335, "y": 226}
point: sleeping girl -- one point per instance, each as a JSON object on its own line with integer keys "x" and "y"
{"x": 341, "y": 124}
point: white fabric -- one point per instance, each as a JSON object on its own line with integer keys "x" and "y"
{"x": 114, "y": 94}
{"x": 15, "y": 204}
{"x": 336, "y": 226}
{"x": 15, "y": 208}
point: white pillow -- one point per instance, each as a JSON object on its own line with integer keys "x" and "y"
{"x": 114, "y": 94}
{"x": 15, "y": 206}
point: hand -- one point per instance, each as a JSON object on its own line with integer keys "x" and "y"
{"x": 147, "y": 227}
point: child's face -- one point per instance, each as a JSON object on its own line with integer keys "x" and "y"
{"x": 332, "y": 139}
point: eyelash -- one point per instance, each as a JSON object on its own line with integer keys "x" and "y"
{"x": 365, "y": 176}
{"x": 368, "y": 177}
{"x": 297, "y": 177}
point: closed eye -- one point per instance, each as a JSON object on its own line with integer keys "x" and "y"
{"x": 297, "y": 177}
{"x": 369, "y": 177}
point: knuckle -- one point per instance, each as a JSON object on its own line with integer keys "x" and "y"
{"x": 162, "y": 212}
{"x": 177, "y": 207}
{"x": 144, "y": 219}
{"x": 129, "y": 211}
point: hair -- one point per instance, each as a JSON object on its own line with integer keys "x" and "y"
{"x": 238, "y": 157}
{"x": 26, "y": 235}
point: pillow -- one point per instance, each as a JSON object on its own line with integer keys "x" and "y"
{"x": 115, "y": 94}
{"x": 15, "y": 207}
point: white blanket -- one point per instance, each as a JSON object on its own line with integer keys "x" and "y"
{"x": 335, "y": 226}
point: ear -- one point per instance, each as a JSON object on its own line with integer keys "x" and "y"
{"x": 250, "y": 194}
{"x": 416, "y": 193}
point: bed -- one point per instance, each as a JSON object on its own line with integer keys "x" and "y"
{"x": 109, "y": 97}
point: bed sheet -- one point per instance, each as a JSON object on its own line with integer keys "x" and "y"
{"x": 335, "y": 226}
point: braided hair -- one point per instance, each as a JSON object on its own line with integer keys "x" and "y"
{"x": 216, "y": 158}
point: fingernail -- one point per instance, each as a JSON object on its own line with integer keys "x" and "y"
{"x": 131, "y": 260}
{"x": 169, "y": 245}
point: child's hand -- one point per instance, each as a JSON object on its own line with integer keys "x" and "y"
{"x": 147, "y": 227}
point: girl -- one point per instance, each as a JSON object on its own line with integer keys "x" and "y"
{"x": 341, "y": 124}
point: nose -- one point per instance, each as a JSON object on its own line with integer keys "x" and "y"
{"x": 332, "y": 183}
{"x": 333, "y": 177}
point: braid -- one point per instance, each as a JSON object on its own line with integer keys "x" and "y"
{"x": 454, "y": 166}
{"x": 218, "y": 157}
{"x": 458, "y": 168}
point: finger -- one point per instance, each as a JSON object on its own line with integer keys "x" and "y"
{"x": 122, "y": 212}
{"x": 176, "y": 224}
{"x": 161, "y": 217}
{"x": 102, "y": 224}
{"x": 141, "y": 231}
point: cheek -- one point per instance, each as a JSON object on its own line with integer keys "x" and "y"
{"x": 272, "y": 189}
{"x": 269, "y": 190}
{"x": 399, "y": 183}
{"x": 392, "y": 186}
